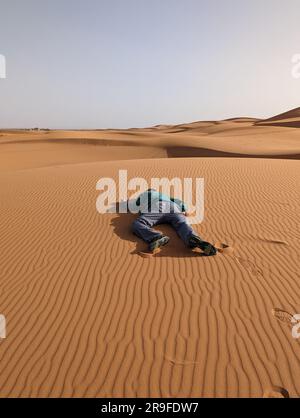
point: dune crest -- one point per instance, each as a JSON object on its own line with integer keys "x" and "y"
{"x": 287, "y": 119}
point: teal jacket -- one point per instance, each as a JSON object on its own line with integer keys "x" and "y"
{"x": 151, "y": 198}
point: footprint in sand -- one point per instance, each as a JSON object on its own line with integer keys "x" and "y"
{"x": 276, "y": 392}
{"x": 224, "y": 248}
{"x": 255, "y": 271}
{"x": 282, "y": 316}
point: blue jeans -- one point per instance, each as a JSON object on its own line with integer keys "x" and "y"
{"x": 142, "y": 226}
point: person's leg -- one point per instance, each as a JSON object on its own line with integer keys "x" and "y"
{"x": 181, "y": 226}
{"x": 142, "y": 227}
{"x": 187, "y": 234}
{"x": 206, "y": 247}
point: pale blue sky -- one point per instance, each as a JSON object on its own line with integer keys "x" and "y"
{"x": 131, "y": 63}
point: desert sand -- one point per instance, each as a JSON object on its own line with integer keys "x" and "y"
{"x": 88, "y": 316}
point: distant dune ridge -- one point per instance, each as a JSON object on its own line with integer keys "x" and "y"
{"x": 88, "y": 316}
{"x": 235, "y": 137}
{"x": 288, "y": 119}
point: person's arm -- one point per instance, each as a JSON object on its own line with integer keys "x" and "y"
{"x": 180, "y": 204}
{"x": 143, "y": 200}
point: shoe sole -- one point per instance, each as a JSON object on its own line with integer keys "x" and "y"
{"x": 160, "y": 243}
{"x": 207, "y": 248}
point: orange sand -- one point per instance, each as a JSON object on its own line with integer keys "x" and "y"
{"x": 88, "y": 316}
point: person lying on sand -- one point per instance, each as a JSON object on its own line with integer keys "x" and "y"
{"x": 157, "y": 209}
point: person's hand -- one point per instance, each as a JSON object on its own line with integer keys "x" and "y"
{"x": 188, "y": 214}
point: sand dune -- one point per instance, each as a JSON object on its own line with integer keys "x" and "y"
{"x": 288, "y": 119}
{"x": 88, "y": 316}
{"x": 234, "y": 138}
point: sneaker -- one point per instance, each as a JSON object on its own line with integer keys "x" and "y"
{"x": 206, "y": 247}
{"x": 158, "y": 243}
